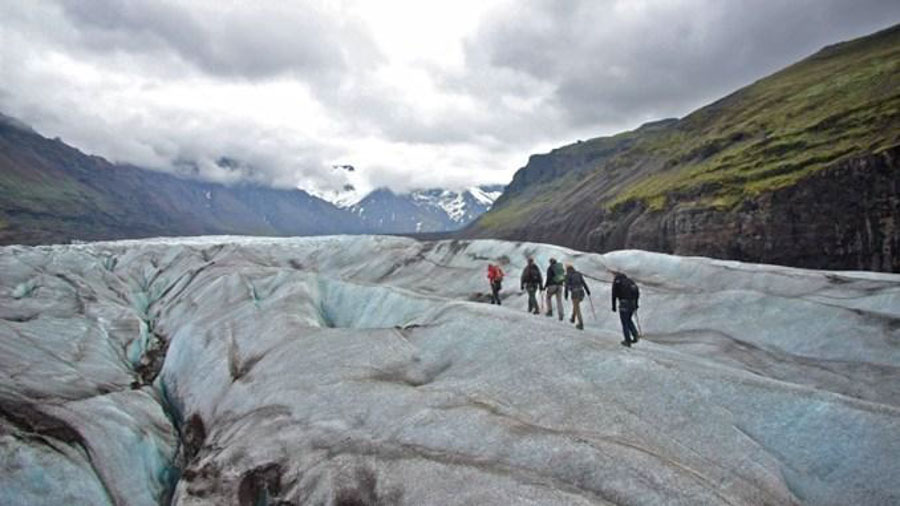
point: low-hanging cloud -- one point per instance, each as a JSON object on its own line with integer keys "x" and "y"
{"x": 276, "y": 92}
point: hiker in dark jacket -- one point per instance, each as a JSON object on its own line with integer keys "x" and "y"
{"x": 576, "y": 285}
{"x": 628, "y": 293}
{"x": 556, "y": 277}
{"x": 531, "y": 282}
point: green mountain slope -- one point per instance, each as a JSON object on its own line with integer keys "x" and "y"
{"x": 840, "y": 105}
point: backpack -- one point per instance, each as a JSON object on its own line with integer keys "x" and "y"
{"x": 494, "y": 273}
{"x": 576, "y": 285}
{"x": 559, "y": 274}
{"x": 628, "y": 289}
{"x": 532, "y": 274}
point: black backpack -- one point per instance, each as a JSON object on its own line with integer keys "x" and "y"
{"x": 628, "y": 289}
{"x": 532, "y": 274}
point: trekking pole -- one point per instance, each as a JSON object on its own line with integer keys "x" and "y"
{"x": 592, "y": 308}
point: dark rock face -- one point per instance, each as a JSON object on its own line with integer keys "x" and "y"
{"x": 843, "y": 217}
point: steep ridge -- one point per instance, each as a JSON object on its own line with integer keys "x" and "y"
{"x": 52, "y": 192}
{"x": 799, "y": 168}
{"x": 359, "y": 370}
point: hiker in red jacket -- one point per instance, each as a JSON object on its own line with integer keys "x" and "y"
{"x": 495, "y": 277}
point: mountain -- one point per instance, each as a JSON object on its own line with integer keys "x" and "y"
{"x": 800, "y": 168}
{"x": 359, "y": 370}
{"x": 434, "y": 210}
{"x": 52, "y": 192}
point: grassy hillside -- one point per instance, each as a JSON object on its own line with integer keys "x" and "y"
{"x": 842, "y": 102}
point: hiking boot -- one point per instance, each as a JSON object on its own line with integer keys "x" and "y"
{"x": 579, "y": 326}
{"x": 635, "y": 338}
{"x": 562, "y": 317}
{"x": 626, "y": 344}
{"x": 572, "y": 319}
{"x": 550, "y": 314}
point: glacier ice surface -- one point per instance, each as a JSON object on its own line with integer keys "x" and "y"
{"x": 337, "y": 370}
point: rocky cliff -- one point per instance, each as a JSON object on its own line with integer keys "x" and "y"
{"x": 799, "y": 168}
{"x": 845, "y": 217}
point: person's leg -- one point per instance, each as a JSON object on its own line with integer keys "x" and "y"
{"x": 532, "y": 301}
{"x": 559, "y": 303}
{"x": 634, "y": 332}
{"x": 550, "y": 292}
{"x": 576, "y": 312}
{"x": 494, "y": 298}
{"x": 625, "y": 317}
{"x": 497, "y": 293}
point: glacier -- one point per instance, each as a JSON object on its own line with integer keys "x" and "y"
{"x": 368, "y": 370}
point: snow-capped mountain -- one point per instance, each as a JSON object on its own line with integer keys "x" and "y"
{"x": 343, "y": 198}
{"x": 432, "y": 210}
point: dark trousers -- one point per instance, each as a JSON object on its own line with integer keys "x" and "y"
{"x": 495, "y": 292}
{"x": 532, "y": 299}
{"x": 628, "y": 328}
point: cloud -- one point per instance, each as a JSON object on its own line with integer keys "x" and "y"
{"x": 412, "y": 95}
{"x": 618, "y": 62}
{"x": 220, "y": 38}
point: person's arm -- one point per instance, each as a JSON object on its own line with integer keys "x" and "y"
{"x": 540, "y": 278}
{"x": 522, "y": 279}
{"x": 586, "y": 289}
{"x": 613, "y": 291}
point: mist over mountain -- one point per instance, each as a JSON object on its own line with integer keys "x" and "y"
{"x": 53, "y": 193}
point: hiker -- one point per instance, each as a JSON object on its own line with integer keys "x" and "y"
{"x": 531, "y": 281}
{"x": 627, "y": 292}
{"x": 495, "y": 277}
{"x": 556, "y": 276}
{"x": 576, "y": 285}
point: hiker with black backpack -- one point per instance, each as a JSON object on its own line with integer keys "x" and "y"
{"x": 531, "y": 281}
{"x": 627, "y": 292}
{"x": 556, "y": 277}
{"x": 576, "y": 285}
{"x": 495, "y": 278}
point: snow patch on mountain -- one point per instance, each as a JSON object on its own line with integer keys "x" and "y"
{"x": 486, "y": 195}
{"x": 342, "y": 199}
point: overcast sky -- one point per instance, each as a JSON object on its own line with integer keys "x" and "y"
{"x": 413, "y": 93}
